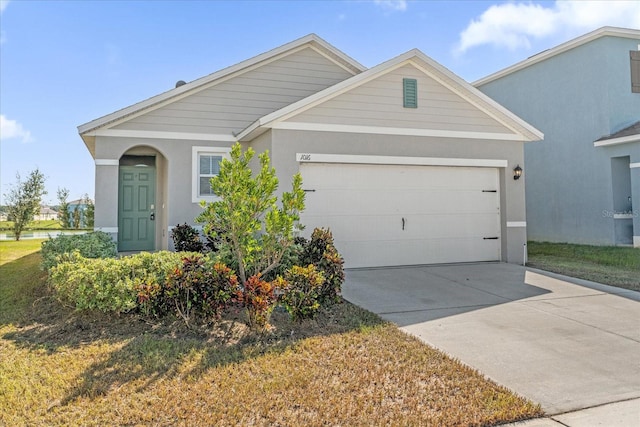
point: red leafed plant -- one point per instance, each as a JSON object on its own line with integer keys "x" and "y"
{"x": 259, "y": 298}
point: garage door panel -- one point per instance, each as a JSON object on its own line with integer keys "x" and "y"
{"x": 415, "y": 252}
{"x": 350, "y": 177}
{"x": 451, "y": 214}
{"x": 410, "y": 202}
{"x": 376, "y": 227}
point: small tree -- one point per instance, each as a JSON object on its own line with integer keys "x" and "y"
{"x": 76, "y": 217}
{"x": 24, "y": 199}
{"x": 63, "y": 209}
{"x": 89, "y": 213}
{"x": 246, "y": 217}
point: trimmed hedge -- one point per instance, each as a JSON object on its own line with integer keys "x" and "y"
{"x": 110, "y": 284}
{"x": 96, "y": 244}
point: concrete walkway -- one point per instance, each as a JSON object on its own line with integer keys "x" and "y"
{"x": 567, "y": 344}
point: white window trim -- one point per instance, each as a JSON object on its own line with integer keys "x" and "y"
{"x": 195, "y": 169}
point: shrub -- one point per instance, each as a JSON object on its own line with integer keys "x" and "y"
{"x": 196, "y": 287}
{"x": 321, "y": 252}
{"x": 109, "y": 284}
{"x": 91, "y": 245}
{"x": 186, "y": 238}
{"x": 290, "y": 257}
{"x": 302, "y": 287}
{"x": 151, "y": 287}
{"x": 259, "y": 298}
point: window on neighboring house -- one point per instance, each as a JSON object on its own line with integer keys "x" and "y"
{"x": 635, "y": 70}
{"x": 410, "y": 93}
{"x": 205, "y": 165}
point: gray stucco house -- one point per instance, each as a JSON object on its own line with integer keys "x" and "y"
{"x": 405, "y": 162}
{"x": 583, "y": 180}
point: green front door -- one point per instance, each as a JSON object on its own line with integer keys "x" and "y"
{"x": 136, "y": 208}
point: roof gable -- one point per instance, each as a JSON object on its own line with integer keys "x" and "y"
{"x": 501, "y": 122}
{"x": 311, "y": 40}
{"x": 549, "y": 53}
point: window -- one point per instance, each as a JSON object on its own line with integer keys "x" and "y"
{"x": 635, "y": 70}
{"x": 410, "y": 93}
{"x": 209, "y": 167}
{"x": 205, "y": 165}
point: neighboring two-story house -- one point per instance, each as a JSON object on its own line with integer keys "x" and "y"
{"x": 583, "y": 180}
{"x": 405, "y": 162}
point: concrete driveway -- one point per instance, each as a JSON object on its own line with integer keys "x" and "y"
{"x": 564, "y": 343}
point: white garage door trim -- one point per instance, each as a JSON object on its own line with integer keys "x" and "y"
{"x": 361, "y": 250}
{"x": 398, "y": 160}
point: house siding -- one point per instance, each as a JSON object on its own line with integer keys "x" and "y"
{"x": 233, "y": 104}
{"x": 380, "y": 103}
{"x": 575, "y": 98}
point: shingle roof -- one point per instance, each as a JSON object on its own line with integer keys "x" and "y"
{"x": 634, "y": 129}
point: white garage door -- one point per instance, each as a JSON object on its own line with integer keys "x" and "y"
{"x": 387, "y": 215}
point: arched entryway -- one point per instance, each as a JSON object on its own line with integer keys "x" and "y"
{"x": 141, "y": 195}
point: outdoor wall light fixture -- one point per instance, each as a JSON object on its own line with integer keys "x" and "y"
{"x": 517, "y": 172}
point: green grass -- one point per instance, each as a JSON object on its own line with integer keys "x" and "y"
{"x": 50, "y": 224}
{"x": 346, "y": 367}
{"x": 611, "y": 265}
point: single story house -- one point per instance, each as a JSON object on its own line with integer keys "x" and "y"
{"x": 583, "y": 181}
{"x": 406, "y": 162}
{"x": 46, "y": 213}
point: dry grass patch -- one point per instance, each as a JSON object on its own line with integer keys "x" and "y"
{"x": 347, "y": 367}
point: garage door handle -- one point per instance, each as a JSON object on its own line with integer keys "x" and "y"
{"x": 489, "y": 238}
{"x": 403, "y": 222}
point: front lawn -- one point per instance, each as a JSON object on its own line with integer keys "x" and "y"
{"x": 346, "y": 367}
{"x": 611, "y": 265}
{"x": 49, "y": 224}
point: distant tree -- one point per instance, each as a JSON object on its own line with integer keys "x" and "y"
{"x": 76, "y": 217}
{"x": 63, "y": 209}
{"x": 89, "y": 212}
{"x": 24, "y": 199}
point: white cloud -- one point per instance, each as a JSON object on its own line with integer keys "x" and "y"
{"x": 394, "y": 5}
{"x": 11, "y": 129}
{"x": 3, "y": 5}
{"x": 514, "y": 25}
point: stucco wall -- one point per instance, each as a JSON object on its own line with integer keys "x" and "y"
{"x": 574, "y": 98}
{"x": 174, "y": 181}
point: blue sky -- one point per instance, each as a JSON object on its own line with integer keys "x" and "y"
{"x": 64, "y": 63}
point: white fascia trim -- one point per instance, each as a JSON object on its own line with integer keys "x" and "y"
{"x": 299, "y": 107}
{"x": 601, "y": 32}
{"x": 397, "y": 160}
{"x": 215, "y": 78}
{"x": 441, "y": 74}
{"x": 107, "y": 162}
{"x": 480, "y": 100}
{"x": 617, "y": 141}
{"x": 106, "y": 229}
{"x": 634, "y": 165}
{"x": 515, "y": 224}
{"x": 380, "y": 130}
{"x": 124, "y": 133}
{"x": 195, "y": 170}
{"x": 338, "y": 63}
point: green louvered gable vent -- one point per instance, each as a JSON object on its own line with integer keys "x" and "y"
{"x": 410, "y": 93}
